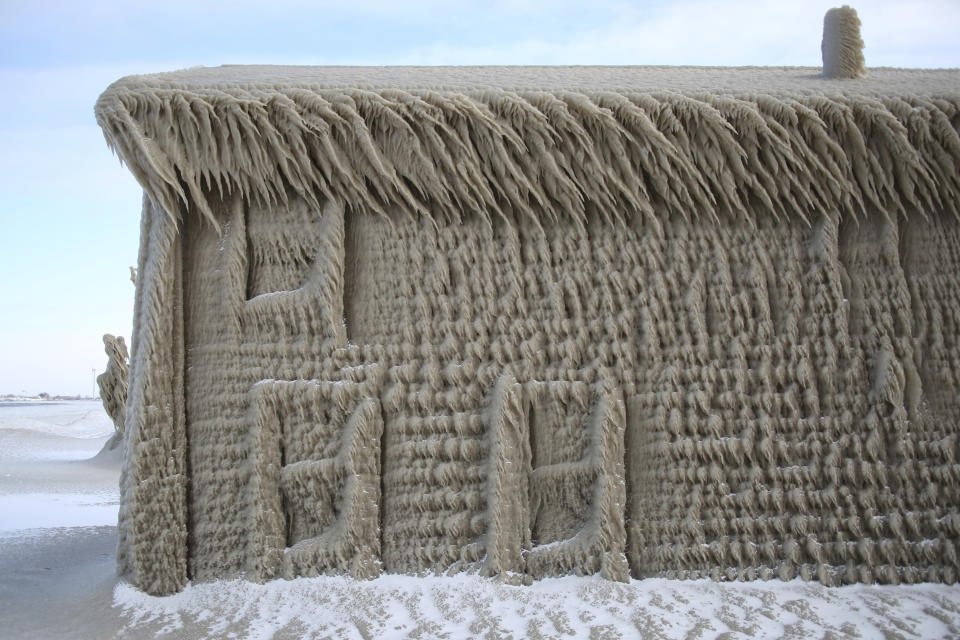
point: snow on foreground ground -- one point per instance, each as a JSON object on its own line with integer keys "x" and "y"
{"x": 471, "y": 607}
{"x": 57, "y": 578}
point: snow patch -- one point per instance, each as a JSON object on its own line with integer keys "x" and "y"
{"x": 394, "y": 606}
{"x": 46, "y": 510}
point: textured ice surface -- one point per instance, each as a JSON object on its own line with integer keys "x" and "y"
{"x": 627, "y": 321}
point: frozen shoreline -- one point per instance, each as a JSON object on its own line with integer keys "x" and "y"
{"x": 58, "y": 578}
{"x": 60, "y": 583}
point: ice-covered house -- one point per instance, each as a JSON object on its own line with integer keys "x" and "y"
{"x": 537, "y": 321}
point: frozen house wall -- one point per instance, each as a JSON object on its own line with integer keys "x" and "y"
{"x": 633, "y": 332}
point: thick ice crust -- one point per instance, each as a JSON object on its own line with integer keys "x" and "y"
{"x": 539, "y": 333}
{"x": 648, "y": 142}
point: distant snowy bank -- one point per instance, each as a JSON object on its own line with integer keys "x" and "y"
{"x": 50, "y": 472}
{"x": 84, "y": 419}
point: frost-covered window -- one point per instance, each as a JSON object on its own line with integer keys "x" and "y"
{"x": 282, "y": 244}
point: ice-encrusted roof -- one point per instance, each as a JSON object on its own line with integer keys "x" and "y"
{"x": 545, "y": 141}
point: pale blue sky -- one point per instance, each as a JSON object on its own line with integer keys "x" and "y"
{"x": 70, "y": 213}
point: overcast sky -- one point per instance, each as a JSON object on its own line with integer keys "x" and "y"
{"x": 70, "y": 213}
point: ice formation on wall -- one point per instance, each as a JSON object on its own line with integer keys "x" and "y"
{"x": 113, "y": 385}
{"x": 842, "y": 46}
{"x": 635, "y": 323}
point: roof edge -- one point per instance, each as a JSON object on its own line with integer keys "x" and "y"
{"x": 539, "y": 153}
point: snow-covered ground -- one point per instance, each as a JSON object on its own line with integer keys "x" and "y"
{"x": 47, "y": 477}
{"x": 471, "y": 607}
{"x": 58, "y": 515}
{"x": 58, "y": 506}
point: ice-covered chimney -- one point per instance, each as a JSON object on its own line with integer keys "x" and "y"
{"x": 842, "y": 46}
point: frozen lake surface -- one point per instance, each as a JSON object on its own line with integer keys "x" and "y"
{"x": 48, "y": 477}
